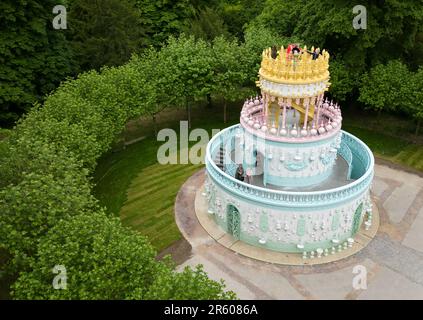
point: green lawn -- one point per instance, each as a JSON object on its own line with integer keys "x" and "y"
{"x": 130, "y": 182}
{"x": 390, "y": 148}
{"x": 149, "y": 207}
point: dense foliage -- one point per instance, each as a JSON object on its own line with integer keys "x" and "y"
{"x": 104, "y": 260}
{"x": 104, "y": 32}
{"x": 34, "y": 57}
{"x": 393, "y": 87}
{"x": 45, "y": 195}
{"x": 394, "y": 31}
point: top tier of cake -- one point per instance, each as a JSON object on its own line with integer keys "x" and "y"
{"x": 294, "y": 75}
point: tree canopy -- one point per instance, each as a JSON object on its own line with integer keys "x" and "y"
{"x": 34, "y": 57}
{"x": 105, "y": 260}
{"x": 104, "y": 32}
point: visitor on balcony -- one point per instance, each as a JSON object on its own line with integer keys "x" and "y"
{"x": 274, "y": 52}
{"x": 314, "y": 53}
{"x": 239, "y": 174}
{"x": 249, "y": 176}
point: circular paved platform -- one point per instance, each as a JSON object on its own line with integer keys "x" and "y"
{"x": 393, "y": 260}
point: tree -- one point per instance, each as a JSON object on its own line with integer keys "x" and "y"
{"x": 193, "y": 62}
{"x": 412, "y": 97}
{"x": 162, "y": 18}
{"x": 381, "y": 88}
{"x": 34, "y": 57}
{"x": 188, "y": 284}
{"x": 236, "y": 14}
{"x": 49, "y": 188}
{"x": 104, "y": 32}
{"x": 228, "y": 75}
{"x": 153, "y": 77}
{"x": 392, "y": 28}
{"x": 93, "y": 102}
{"x": 105, "y": 260}
{"x": 343, "y": 81}
{"x": 207, "y": 25}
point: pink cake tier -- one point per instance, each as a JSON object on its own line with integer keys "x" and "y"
{"x": 327, "y": 120}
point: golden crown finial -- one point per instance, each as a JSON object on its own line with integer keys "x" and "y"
{"x": 298, "y": 69}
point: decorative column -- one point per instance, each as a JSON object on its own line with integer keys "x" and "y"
{"x": 318, "y": 105}
{"x": 307, "y": 103}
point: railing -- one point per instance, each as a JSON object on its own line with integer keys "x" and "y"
{"x": 293, "y": 198}
{"x": 230, "y": 166}
{"x": 345, "y": 152}
{"x": 253, "y": 120}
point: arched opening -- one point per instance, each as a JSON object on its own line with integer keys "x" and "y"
{"x": 234, "y": 221}
{"x": 357, "y": 219}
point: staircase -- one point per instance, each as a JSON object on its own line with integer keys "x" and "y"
{"x": 219, "y": 158}
{"x": 302, "y": 112}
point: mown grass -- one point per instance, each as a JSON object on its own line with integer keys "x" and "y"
{"x": 391, "y": 148}
{"x": 149, "y": 207}
{"x": 131, "y": 183}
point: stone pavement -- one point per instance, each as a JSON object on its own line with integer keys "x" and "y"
{"x": 393, "y": 259}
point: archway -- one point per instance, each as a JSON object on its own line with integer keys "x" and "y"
{"x": 234, "y": 221}
{"x": 357, "y": 219}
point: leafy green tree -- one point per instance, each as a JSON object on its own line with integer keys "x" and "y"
{"x": 381, "y": 88}
{"x": 187, "y": 285}
{"x": 104, "y": 32}
{"x": 93, "y": 102}
{"x": 237, "y": 14}
{"x": 392, "y": 28}
{"x": 193, "y": 62}
{"x": 34, "y": 57}
{"x": 228, "y": 74}
{"x": 343, "y": 81}
{"x": 162, "y": 18}
{"x": 412, "y": 97}
{"x": 105, "y": 260}
{"x": 207, "y": 25}
{"x": 153, "y": 77}
{"x": 44, "y": 185}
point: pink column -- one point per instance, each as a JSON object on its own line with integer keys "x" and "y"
{"x": 265, "y": 107}
{"x": 306, "y": 116}
{"x": 318, "y": 105}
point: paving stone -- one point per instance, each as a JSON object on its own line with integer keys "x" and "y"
{"x": 414, "y": 237}
{"x": 395, "y": 269}
{"x": 272, "y": 283}
{"x": 388, "y": 284}
{"x": 379, "y": 186}
{"x": 399, "y": 201}
{"x": 332, "y": 285}
{"x": 216, "y": 273}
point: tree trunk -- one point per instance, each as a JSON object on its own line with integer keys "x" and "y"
{"x": 379, "y": 115}
{"x": 188, "y": 107}
{"x": 224, "y": 110}
{"x": 209, "y": 101}
{"x": 419, "y": 121}
{"x": 154, "y": 124}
